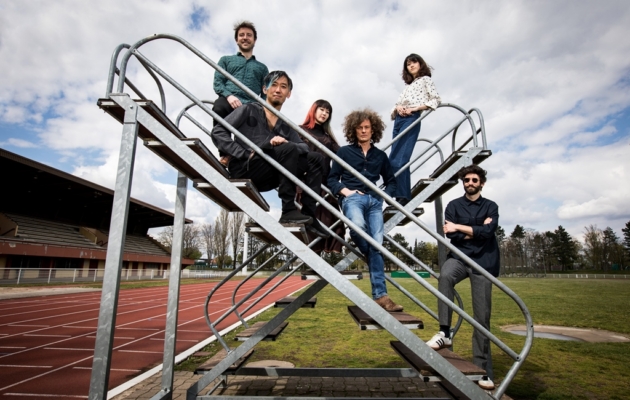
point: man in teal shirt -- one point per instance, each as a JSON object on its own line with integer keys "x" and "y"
{"x": 244, "y": 67}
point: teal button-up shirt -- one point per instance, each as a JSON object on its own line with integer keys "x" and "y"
{"x": 250, "y": 72}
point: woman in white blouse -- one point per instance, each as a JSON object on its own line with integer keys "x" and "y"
{"x": 419, "y": 94}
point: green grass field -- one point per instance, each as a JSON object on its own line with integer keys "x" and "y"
{"x": 326, "y": 336}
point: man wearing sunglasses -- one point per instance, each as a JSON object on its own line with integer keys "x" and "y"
{"x": 471, "y": 222}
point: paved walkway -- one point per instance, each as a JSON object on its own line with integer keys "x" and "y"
{"x": 247, "y": 386}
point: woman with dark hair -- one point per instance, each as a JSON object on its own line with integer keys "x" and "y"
{"x": 419, "y": 95}
{"x": 317, "y": 124}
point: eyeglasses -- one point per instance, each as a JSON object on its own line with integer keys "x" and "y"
{"x": 474, "y": 180}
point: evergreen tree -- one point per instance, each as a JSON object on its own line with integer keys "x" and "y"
{"x": 626, "y": 238}
{"x": 565, "y": 248}
{"x": 518, "y": 232}
{"x": 500, "y": 233}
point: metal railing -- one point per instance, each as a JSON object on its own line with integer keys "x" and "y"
{"x": 310, "y": 257}
{"x": 30, "y": 276}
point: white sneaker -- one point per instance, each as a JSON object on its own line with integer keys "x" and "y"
{"x": 439, "y": 341}
{"x": 486, "y": 383}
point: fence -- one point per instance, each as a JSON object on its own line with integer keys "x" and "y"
{"x": 565, "y": 276}
{"x": 17, "y": 276}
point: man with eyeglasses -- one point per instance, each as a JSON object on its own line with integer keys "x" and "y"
{"x": 470, "y": 223}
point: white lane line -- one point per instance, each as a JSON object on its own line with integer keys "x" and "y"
{"x": 141, "y": 351}
{"x": 29, "y": 326}
{"x": 143, "y": 376}
{"x": 140, "y": 329}
{"x": 12, "y": 347}
{"x": 30, "y": 334}
{"x": 112, "y": 369}
{"x": 178, "y": 340}
{"x": 187, "y": 353}
{"x": 38, "y": 395}
{"x": 66, "y": 348}
{"x": 115, "y": 337}
{"x": 78, "y": 327}
{"x": 25, "y": 366}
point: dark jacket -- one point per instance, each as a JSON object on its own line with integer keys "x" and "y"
{"x": 373, "y": 166}
{"x": 250, "y": 120}
{"x": 483, "y": 248}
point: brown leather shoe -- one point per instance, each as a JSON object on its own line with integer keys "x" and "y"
{"x": 388, "y": 304}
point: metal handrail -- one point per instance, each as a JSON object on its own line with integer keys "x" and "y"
{"x": 519, "y": 358}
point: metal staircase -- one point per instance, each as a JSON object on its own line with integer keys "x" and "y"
{"x": 143, "y": 119}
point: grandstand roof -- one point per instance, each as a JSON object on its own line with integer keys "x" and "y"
{"x": 39, "y": 191}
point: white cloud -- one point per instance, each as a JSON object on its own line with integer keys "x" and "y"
{"x": 550, "y": 82}
{"x": 24, "y": 144}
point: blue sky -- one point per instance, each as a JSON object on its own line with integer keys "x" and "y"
{"x": 551, "y": 79}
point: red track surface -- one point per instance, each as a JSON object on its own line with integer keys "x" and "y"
{"x": 47, "y": 343}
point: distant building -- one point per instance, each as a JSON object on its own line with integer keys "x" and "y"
{"x": 53, "y": 220}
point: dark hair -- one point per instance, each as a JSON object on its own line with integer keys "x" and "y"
{"x": 425, "y": 69}
{"x": 473, "y": 169}
{"x": 244, "y": 24}
{"x": 310, "y": 121}
{"x": 274, "y": 76}
{"x": 354, "y": 119}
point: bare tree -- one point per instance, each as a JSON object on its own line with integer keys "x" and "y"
{"x": 207, "y": 234}
{"x": 192, "y": 240}
{"x": 221, "y": 237}
{"x": 237, "y": 227}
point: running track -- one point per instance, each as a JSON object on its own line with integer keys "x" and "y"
{"x": 47, "y": 343}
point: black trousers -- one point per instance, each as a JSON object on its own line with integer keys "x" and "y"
{"x": 221, "y": 107}
{"x": 307, "y": 167}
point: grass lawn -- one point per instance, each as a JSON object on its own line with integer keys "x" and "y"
{"x": 326, "y": 336}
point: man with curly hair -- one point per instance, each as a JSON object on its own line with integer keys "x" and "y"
{"x": 363, "y": 206}
{"x": 471, "y": 222}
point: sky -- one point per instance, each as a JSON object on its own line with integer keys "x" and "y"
{"x": 550, "y": 78}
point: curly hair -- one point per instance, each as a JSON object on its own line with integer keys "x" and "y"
{"x": 354, "y": 119}
{"x": 473, "y": 169}
{"x": 425, "y": 69}
{"x": 244, "y": 24}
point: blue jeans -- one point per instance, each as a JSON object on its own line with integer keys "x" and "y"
{"x": 401, "y": 152}
{"x": 366, "y": 211}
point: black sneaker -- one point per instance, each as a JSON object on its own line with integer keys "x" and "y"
{"x": 295, "y": 217}
{"x": 317, "y": 229}
{"x": 402, "y": 201}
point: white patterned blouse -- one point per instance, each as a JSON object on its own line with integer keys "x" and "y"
{"x": 420, "y": 91}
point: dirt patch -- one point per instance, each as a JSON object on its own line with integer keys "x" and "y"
{"x": 584, "y": 334}
{"x": 32, "y": 291}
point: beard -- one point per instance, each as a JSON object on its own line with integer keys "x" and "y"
{"x": 472, "y": 190}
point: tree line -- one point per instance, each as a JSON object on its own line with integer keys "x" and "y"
{"x": 525, "y": 250}
{"x": 529, "y": 251}
{"x": 219, "y": 240}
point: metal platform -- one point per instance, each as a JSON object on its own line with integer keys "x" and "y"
{"x": 285, "y": 301}
{"x": 424, "y": 183}
{"x": 244, "y": 185}
{"x": 366, "y": 322}
{"x": 467, "y": 368}
{"x": 310, "y": 274}
{"x": 390, "y": 211}
{"x": 298, "y": 230}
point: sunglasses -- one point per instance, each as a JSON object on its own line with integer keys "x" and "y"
{"x": 474, "y": 180}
